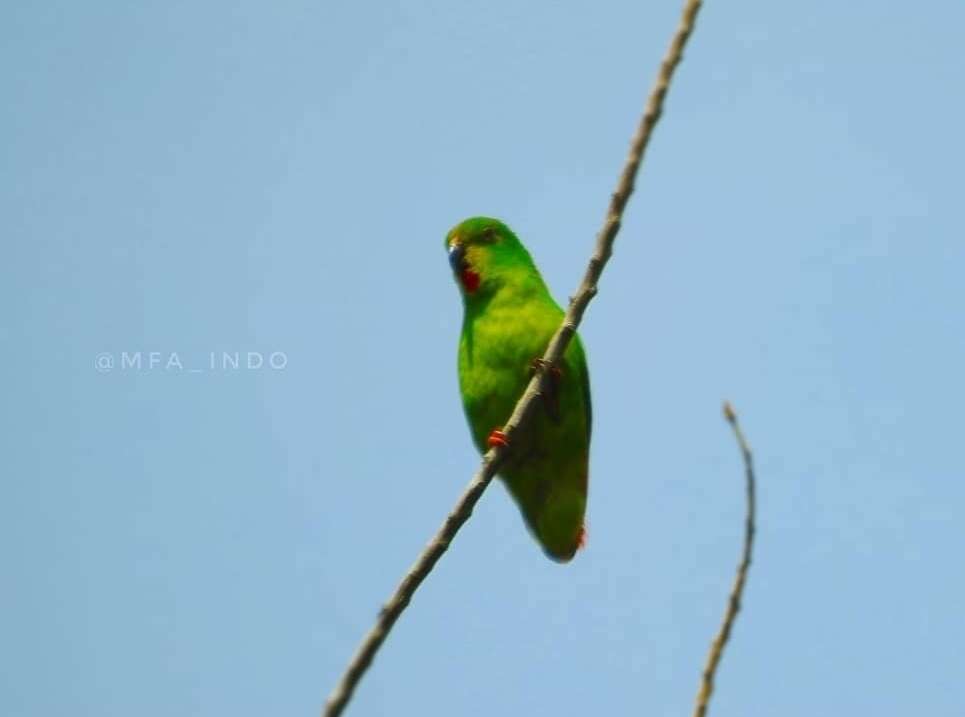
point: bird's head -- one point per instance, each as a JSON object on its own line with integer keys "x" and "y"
{"x": 485, "y": 255}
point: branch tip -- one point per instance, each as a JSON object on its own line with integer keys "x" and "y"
{"x": 729, "y": 414}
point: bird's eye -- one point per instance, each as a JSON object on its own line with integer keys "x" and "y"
{"x": 489, "y": 235}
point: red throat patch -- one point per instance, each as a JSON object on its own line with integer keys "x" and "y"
{"x": 469, "y": 279}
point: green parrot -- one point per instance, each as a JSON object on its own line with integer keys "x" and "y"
{"x": 509, "y": 318}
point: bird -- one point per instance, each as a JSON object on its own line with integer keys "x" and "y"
{"x": 509, "y": 317}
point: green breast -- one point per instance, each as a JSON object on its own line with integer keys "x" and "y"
{"x": 548, "y": 465}
{"x": 496, "y": 350}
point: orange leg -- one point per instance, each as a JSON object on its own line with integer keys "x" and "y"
{"x": 497, "y": 438}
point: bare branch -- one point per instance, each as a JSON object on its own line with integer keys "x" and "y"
{"x": 734, "y": 601}
{"x": 521, "y": 414}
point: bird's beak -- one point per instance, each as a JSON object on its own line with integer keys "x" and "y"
{"x": 457, "y": 256}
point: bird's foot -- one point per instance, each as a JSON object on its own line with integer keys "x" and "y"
{"x": 551, "y": 387}
{"x": 539, "y": 364}
{"x": 497, "y": 438}
{"x": 581, "y": 538}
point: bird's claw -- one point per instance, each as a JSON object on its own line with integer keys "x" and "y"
{"x": 551, "y": 386}
{"x": 497, "y": 438}
{"x": 540, "y": 364}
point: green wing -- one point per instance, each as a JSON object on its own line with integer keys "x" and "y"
{"x": 587, "y": 401}
{"x": 578, "y": 365}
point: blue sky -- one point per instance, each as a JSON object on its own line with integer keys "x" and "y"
{"x": 190, "y": 179}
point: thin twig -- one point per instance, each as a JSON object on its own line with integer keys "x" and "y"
{"x": 521, "y": 414}
{"x": 736, "y": 592}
